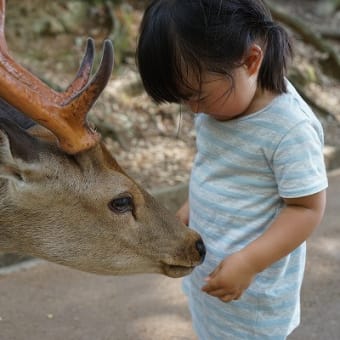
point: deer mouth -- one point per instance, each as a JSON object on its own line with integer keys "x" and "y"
{"x": 175, "y": 271}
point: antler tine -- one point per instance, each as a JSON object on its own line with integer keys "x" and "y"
{"x": 21, "y": 74}
{"x": 75, "y": 110}
{"x": 67, "y": 122}
{"x": 89, "y": 94}
{"x": 64, "y": 114}
{"x": 84, "y": 71}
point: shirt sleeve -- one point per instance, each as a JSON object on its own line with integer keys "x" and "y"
{"x": 298, "y": 161}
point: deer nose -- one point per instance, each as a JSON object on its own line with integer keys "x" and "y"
{"x": 201, "y": 249}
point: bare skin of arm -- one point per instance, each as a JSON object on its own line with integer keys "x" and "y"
{"x": 291, "y": 228}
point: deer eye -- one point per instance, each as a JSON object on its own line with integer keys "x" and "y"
{"x": 121, "y": 204}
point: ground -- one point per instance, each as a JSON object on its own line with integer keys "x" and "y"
{"x": 155, "y": 144}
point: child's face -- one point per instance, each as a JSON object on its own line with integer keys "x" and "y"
{"x": 217, "y": 98}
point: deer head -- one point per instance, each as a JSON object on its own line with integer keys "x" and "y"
{"x": 64, "y": 198}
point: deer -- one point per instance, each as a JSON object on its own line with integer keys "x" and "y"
{"x": 63, "y": 196}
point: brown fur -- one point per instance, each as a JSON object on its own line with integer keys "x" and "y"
{"x": 55, "y": 206}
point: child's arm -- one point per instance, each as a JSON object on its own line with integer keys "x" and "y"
{"x": 291, "y": 228}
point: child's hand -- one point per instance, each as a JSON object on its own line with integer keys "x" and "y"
{"x": 230, "y": 279}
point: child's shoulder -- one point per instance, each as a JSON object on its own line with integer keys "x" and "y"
{"x": 285, "y": 113}
{"x": 290, "y": 109}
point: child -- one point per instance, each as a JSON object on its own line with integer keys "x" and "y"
{"x": 257, "y": 187}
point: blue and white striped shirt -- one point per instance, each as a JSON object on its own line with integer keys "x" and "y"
{"x": 242, "y": 170}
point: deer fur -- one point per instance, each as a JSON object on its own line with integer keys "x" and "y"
{"x": 63, "y": 197}
{"x": 56, "y": 206}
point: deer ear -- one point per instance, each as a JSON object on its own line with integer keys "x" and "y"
{"x": 17, "y": 148}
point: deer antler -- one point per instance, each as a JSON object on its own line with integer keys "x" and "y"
{"x": 63, "y": 113}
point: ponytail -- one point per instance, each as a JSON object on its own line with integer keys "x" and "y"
{"x": 278, "y": 49}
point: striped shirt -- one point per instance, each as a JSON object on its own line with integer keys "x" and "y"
{"x": 242, "y": 170}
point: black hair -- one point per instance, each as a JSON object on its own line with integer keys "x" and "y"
{"x": 212, "y": 35}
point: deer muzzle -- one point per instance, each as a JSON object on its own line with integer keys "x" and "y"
{"x": 193, "y": 256}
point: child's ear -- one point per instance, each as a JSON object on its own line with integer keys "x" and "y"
{"x": 253, "y": 59}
